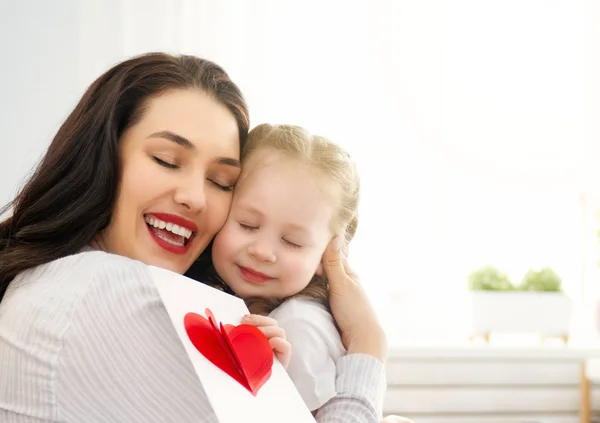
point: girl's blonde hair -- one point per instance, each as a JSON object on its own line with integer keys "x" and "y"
{"x": 336, "y": 172}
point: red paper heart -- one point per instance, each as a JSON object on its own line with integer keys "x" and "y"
{"x": 243, "y": 352}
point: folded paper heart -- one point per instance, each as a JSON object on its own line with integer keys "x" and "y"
{"x": 243, "y": 352}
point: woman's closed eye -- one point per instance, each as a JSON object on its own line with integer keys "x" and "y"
{"x": 165, "y": 163}
{"x": 222, "y": 187}
{"x": 224, "y": 180}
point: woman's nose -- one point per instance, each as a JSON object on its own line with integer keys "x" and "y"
{"x": 192, "y": 195}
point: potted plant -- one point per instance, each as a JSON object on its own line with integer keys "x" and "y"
{"x": 537, "y": 305}
{"x": 488, "y": 278}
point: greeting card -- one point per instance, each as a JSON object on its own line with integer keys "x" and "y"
{"x": 234, "y": 362}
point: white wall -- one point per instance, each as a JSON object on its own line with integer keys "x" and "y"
{"x": 38, "y": 82}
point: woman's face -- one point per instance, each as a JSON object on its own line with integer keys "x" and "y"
{"x": 178, "y": 167}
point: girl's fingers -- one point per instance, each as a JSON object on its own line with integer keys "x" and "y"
{"x": 275, "y": 334}
{"x": 258, "y": 320}
{"x": 272, "y": 331}
{"x": 282, "y": 350}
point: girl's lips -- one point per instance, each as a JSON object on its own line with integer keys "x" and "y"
{"x": 253, "y": 276}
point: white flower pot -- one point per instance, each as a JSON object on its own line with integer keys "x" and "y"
{"x": 547, "y": 314}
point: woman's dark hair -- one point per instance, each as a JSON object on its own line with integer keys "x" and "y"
{"x": 71, "y": 195}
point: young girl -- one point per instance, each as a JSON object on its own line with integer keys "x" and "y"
{"x": 296, "y": 192}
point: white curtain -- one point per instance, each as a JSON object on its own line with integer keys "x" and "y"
{"x": 466, "y": 118}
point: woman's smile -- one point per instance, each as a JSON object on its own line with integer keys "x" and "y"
{"x": 171, "y": 232}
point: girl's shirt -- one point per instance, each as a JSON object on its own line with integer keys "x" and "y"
{"x": 316, "y": 347}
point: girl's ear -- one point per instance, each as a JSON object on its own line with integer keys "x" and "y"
{"x": 319, "y": 271}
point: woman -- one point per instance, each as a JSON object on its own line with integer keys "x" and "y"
{"x": 83, "y": 333}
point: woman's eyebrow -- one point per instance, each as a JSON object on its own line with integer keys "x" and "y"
{"x": 188, "y": 145}
{"x": 177, "y": 139}
{"x": 228, "y": 161}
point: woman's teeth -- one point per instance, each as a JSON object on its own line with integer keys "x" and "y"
{"x": 175, "y": 229}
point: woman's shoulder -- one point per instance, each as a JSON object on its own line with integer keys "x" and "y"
{"x": 76, "y": 317}
{"x": 53, "y": 298}
{"x": 86, "y": 258}
{"x": 66, "y": 280}
{"x": 89, "y": 263}
{"x": 95, "y": 259}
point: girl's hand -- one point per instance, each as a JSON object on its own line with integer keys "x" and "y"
{"x": 276, "y": 335}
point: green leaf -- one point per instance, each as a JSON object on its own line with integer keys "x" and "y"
{"x": 488, "y": 278}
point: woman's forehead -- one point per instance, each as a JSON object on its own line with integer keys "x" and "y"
{"x": 195, "y": 117}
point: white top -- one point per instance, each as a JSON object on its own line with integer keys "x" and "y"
{"x": 87, "y": 339}
{"x": 316, "y": 347}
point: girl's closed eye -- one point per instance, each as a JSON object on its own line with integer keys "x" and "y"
{"x": 291, "y": 244}
{"x": 247, "y": 227}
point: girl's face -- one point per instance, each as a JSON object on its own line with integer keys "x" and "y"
{"x": 179, "y": 164}
{"x": 278, "y": 228}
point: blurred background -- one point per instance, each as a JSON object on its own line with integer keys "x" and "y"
{"x": 474, "y": 124}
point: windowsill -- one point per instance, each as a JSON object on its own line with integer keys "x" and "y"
{"x": 472, "y": 350}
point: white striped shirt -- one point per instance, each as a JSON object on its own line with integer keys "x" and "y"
{"x": 86, "y": 338}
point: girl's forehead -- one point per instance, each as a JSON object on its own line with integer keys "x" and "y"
{"x": 292, "y": 183}
{"x": 264, "y": 156}
{"x": 265, "y": 161}
{"x": 268, "y": 166}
